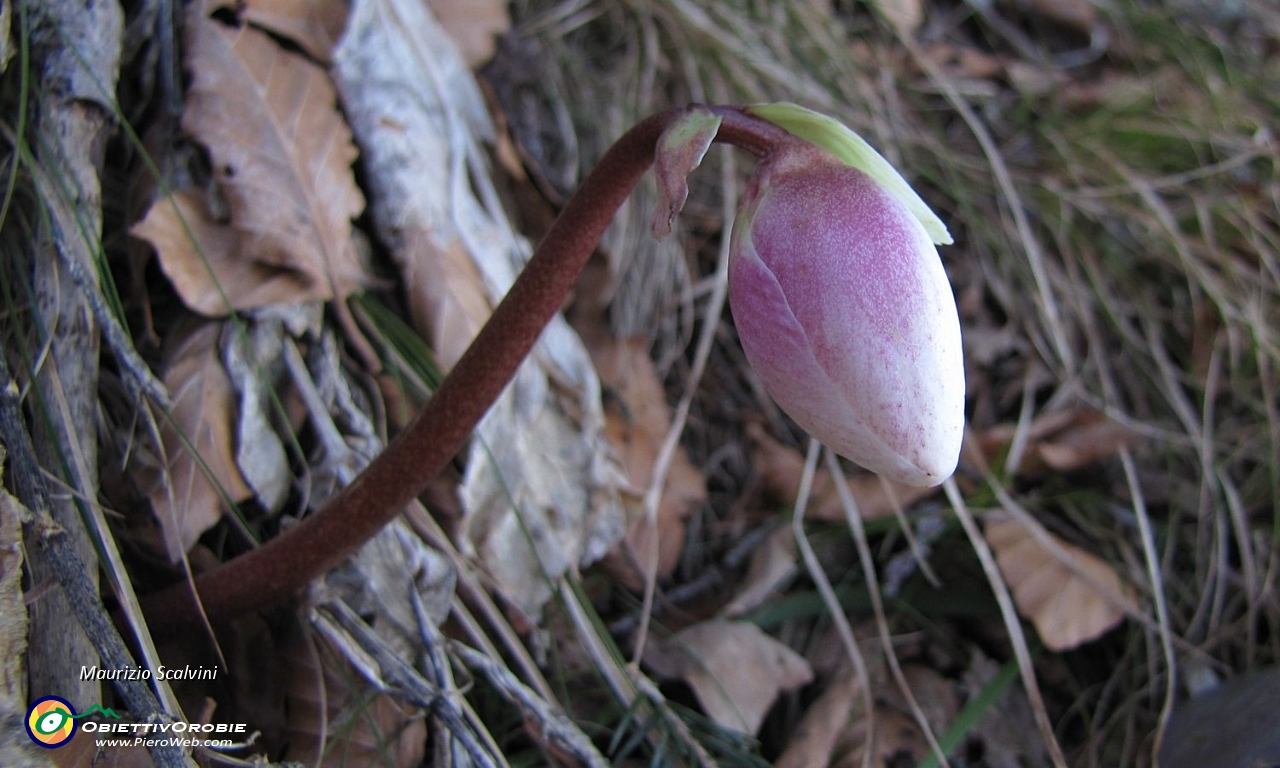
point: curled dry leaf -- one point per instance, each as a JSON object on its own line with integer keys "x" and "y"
{"x": 636, "y": 425}
{"x": 314, "y": 25}
{"x": 772, "y": 566}
{"x": 186, "y": 500}
{"x": 1070, "y": 602}
{"x": 734, "y": 668}
{"x": 814, "y": 740}
{"x": 281, "y": 156}
{"x": 1060, "y": 441}
{"x": 780, "y": 468}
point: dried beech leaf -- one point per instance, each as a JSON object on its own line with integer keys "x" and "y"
{"x": 780, "y": 468}
{"x": 186, "y": 501}
{"x": 447, "y": 297}
{"x": 814, "y": 740}
{"x": 281, "y": 155}
{"x": 1061, "y": 441}
{"x": 254, "y": 363}
{"x": 329, "y": 701}
{"x": 772, "y": 566}
{"x": 636, "y": 425}
{"x": 474, "y": 25}
{"x": 897, "y": 740}
{"x": 734, "y": 668}
{"x": 1060, "y": 599}
{"x": 315, "y": 25}
{"x": 199, "y": 256}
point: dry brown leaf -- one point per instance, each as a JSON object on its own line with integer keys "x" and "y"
{"x": 281, "y": 155}
{"x": 780, "y": 468}
{"x": 772, "y": 566}
{"x": 1061, "y": 441}
{"x": 897, "y": 741}
{"x": 186, "y": 501}
{"x": 965, "y": 62}
{"x": 734, "y": 668}
{"x": 1067, "y": 602}
{"x": 636, "y": 426}
{"x": 315, "y": 25}
{"x": 814, "y": 740}
{"x": 446, "y": 293}
{"x": 199, "y": 256}
{"x": 473, "y": 25}
{"x": 329, "y": 701}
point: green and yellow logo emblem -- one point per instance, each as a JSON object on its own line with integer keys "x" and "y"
{"x": 51, "y": 721}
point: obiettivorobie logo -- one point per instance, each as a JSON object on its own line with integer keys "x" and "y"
{"x": 51, "y": 721}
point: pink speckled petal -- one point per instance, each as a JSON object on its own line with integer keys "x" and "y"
{"x": 845, "y": 313}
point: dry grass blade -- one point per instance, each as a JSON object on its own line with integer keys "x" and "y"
{"x": 873, "y": 587}
{"x": 1016, "y": 637}
{"x": 1158, "y": 589}
{"x": 829, "y": 599}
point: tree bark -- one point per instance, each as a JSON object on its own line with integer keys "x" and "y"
{"x": 76, "y": 56}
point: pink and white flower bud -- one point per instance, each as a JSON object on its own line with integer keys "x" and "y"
{"x": 846, "y": 314}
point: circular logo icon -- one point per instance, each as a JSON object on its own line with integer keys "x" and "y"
{"x": 51, "y": 722}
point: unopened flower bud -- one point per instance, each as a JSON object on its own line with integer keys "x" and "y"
{"x": 842, "y": 304}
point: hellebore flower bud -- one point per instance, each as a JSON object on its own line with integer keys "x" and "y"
{"x": 842, "y": 304}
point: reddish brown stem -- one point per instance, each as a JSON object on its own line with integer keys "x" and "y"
{"x": 284, "y": 565}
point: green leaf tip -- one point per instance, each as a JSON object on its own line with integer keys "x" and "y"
{"x": 834, "y": 137}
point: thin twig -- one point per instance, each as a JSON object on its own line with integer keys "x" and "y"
{"x": 556, "y": 727}
{"x": 137, "y": 374}
{"x": 404, "y": 681}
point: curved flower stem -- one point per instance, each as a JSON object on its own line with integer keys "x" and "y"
{"x": 284, "y": 565}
